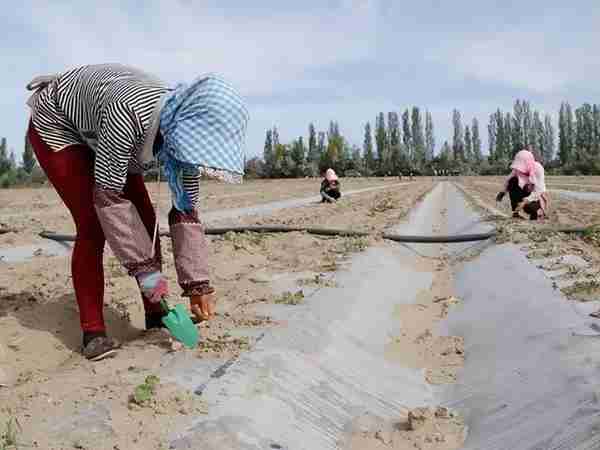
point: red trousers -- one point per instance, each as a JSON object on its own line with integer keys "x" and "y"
{"x": 71, "y": 172}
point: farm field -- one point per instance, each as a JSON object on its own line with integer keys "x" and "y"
{"x": 296, "y": 311}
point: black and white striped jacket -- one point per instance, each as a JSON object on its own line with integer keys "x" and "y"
{"x": 110, "y": 108}
{"x": 115, "y": 110}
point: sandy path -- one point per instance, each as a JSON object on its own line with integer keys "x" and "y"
{"x": 23, "y": 246}
{"x": 35, "y": 210}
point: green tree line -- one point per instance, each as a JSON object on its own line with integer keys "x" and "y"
{"x": 579, "y": 139}
{"x": 395, "y": 144}
{"x": 13, "y": 173}
{"x": 399, "y": 143}
{"x": 402, "y": 143}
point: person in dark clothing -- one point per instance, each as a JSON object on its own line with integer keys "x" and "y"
{"x": 330, "y": 187}
{"x": 516, "y": 192}
{"x": 526, "y": 187}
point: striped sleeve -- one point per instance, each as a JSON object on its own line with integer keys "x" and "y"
{"x": 118, "y": 216}
{"x": 191, "y": 184}
{"x": 116, "y": 143}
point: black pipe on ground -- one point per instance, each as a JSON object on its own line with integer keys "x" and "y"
{"x": 316, "y": 231}
{"x": 283, "y": 229}
{"x": 440, "y": 239}
{"x": 448, "y": 239}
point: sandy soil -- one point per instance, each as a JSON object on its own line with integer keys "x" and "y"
{"x": 370, "y": 211}
{"x": 570, "y": 183}
{"x": 565, "y": 211}
{"x": 44, "y": 380}
{"x": 420, "y": 346}
{"x": 420, "y": 429}
{"x": 34, "y": 210}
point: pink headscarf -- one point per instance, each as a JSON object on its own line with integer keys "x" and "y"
{"x": 523, "y": 164}
{"x": 522, "y": 167}
{"x": 330, "y": 175}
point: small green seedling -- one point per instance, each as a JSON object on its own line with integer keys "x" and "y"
{"x": 289, "y": 298}
{"x": 245, "y": 240}
{"x": 353, "y": 244}
{"x": 144, "y": 392}
{"x": 382, "y": 204}
{"x": 8, "y": 438}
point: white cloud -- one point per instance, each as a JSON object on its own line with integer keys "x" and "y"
{"x": 534, "y": 60}
{"x": 262, "y": 54}
{"x": 343, "y": 60}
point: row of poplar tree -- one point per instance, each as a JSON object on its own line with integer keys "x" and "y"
{"x": 396, "y": 144}
{"x": 406, "y": 143}
{"x": 12, "y": 173}
{"x": 578, "y": 150}
{"x": 403, "y": 143}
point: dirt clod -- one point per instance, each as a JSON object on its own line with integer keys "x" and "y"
{"x": 425, "y": 428}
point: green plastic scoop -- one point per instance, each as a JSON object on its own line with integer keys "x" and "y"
{"x": 178, "y": 322}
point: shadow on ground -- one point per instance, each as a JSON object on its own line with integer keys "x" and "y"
{"x": 60, "y": 317}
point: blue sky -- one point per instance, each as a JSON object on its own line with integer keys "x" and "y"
{"x": 297, "y": 62}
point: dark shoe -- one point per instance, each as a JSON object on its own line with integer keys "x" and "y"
{"x": 100, "y": 347}
{"x": 154, "y": 321}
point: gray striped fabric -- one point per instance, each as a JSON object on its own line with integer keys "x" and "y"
{"x": 108, "y": 107}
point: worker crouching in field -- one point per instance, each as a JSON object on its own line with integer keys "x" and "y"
{"x": 526, "y": 187}
{"x": 94, "y": 130}
{"x": 330, "y": 187}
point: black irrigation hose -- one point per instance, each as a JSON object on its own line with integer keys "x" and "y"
{"x": 317, "y": 231}
{"x": 250, "y": 229}
{"x": 285, "y": 229}
{"x": 57, "y": 237}
{"x": 441, "y": 239}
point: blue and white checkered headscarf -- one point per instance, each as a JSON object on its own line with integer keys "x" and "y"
{"x": 203, "y": 126}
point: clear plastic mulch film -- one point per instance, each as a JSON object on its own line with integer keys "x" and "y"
{"x": 531, "y": 378}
